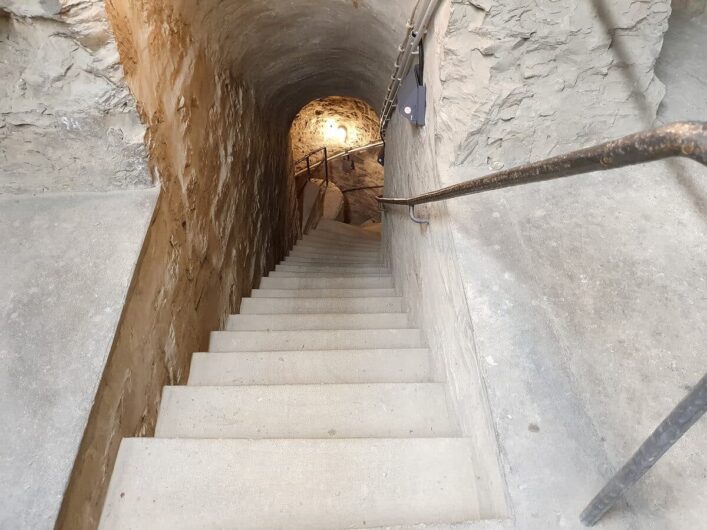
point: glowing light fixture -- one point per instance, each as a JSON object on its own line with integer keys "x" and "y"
{"x": 335, "y": 132}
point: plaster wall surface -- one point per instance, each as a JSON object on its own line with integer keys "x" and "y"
{"x": 67, "y": 119}
{"x": 579, "y": 304}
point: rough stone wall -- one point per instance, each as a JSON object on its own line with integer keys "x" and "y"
{"x": 523, "y": 81}
{"x": 309, "y": 132}
{"x": 360, "y": 185}
{"x": 695, "y": 9}
{"x": 67, "y": 120}
{"x": 573, "y": 287}
{"x": 309, "y": 128}
{"x": 224, "y": 217}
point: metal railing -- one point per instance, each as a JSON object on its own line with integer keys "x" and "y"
{"x": 682, "y": 139}
{"x": 307, "y": 158}
{"x": 686, "y": 139}
{"x": 336, "y": 156}
{"x": 417, "y": 28}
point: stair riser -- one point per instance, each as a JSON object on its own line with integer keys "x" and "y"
{"x": 320, "y": 250}
{"x": 305, "y": 411}
{"x": 345, "y": 230}
{"x": 310, "y": 367}
{"x": 337, "y": 243}
{"x": 362, "y": 269}
{"x": 296, "y": 322}
{"x": 322, "y": 293}
{"x": 327, "y": 283}
{"x": 280, "y": 306}
{"x": 227, "y": 341}
{"x": 303, "y": 247}
{"x": 290, "y": 274}
{"x": 333, "y": 260}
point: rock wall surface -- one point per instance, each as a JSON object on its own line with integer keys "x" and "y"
{"x": 316, "y": 126}
{"x": 225, "y": 215}
{"x": 361, "y": 180}
{"x": 577, "y": 289}
{"x": 317, "y": 122}
{"x": 67, "y": 119}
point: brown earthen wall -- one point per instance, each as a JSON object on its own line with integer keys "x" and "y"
{"x": 226, "y": 214}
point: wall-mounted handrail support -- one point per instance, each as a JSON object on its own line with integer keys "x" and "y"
{"x": 411, "y": 211}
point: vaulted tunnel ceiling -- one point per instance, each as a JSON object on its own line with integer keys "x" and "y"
{"x": 292, "y": 52}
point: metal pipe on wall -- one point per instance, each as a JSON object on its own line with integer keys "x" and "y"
{"x": 417, "y": 28}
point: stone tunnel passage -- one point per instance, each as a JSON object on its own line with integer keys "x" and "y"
{"x": 217, "y": 84}
{"x": 340, "y": 124}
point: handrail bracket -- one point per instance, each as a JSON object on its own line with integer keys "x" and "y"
{"x": 411, "y": 211}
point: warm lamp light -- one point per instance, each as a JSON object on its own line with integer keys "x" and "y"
{"x": 334, "y": 132}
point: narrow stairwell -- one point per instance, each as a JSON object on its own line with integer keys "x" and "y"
{"x": 314, "y": 409}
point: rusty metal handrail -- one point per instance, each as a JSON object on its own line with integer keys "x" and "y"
{"x": 345, "y": 152}
{"x": 686, "y": 139}
{"x": 309, "y": 167}
{"x": 670, "y": 430}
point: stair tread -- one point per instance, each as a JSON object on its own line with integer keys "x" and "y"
{"x": 345, "y": 269}
{"x": 319, "y": 282}
{"x": 332, "y": 240}
{"x": 410, "y": 365}
{"x": 323, "y": 293}
{"x": 294, "y": 484}
{"x": 375, "y": 410}
{"x": 332, "y": 274}
{"x": 318, "y": 321}
{"x": 378, "y": 304}
{"x": 315, "y": 339}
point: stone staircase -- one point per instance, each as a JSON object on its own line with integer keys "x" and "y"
{"x": 314, "y": 409}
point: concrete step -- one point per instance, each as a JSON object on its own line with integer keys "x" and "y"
{"x": 282, "y": 306}
{"x": 339, "y": 228}
{"x": 294, "y": 322}
{"x": 334, "y": 241}
{"x": 310, "y": 367}
{"x": 338, "y": 339}
{"x": 293, "y": 274}
{"x": 332, "y": 260}
{"x": 358, "y": 269}
{"x": 328, "y": 249}
{"x": 321, "y": 255}
{"x": 328, "y": 238}
{"x": 163, "y": 484}
{"x": 391, "y": 410}
{"x": 367, "y": 282}
{"x": 322, "y": 293}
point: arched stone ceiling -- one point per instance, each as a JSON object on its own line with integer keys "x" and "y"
{"x": 294, "y": 51}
